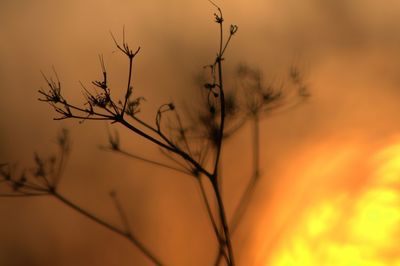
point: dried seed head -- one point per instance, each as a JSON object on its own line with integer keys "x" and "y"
{"x": 171, "y": 106}
{"x": 218, "y": 18}
{"x": 233, "y": 29}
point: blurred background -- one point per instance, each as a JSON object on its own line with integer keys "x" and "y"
{"x": 329, "y": 193}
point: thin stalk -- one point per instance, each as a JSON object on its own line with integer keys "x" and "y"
{"x": 145, "y": 124}
{"x": 59, "y": 169}
{"x": 183, "y": 135}
{"x": 181, "y": 153}
{"x": 139, "y": 158}
{"x": 215, "y": 176}
{"x": 256, "y": 146}
{"x": 187, "y": 168}
{"x": 94, "y": 218}
{"x": 222, "y": 124}
{"x": 129, "y": 85}
{"x": 244, "y": 200}
{"x": 209, "y": 212}
{"x": 224, "y": 222}
{"x": 121, "y": 213}
{"x": 12, "y": 195}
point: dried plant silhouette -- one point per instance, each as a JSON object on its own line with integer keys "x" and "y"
{"x": 192, "y": 140}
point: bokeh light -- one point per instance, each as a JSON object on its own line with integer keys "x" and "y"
{"x": 355, "y": 228}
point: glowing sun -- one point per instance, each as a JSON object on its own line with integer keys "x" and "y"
{"x": 354, "y": 227}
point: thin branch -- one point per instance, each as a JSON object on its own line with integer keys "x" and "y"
{"x": 145, "y": 124}
{"x": 182, "y": 133}
{"x": 224, "y": 223}
{"x": 13, "y": 195}
{"x": 243, "y": 203}
{"x": 151, "y": 161}
{"x": 246, "y": 196}
{"x": 210, "y": 214}
{"x": 98, "y": 220}
{"x": 121, "y": 212}
{"x": 181, "y": 153}
{"x": 169, "y": 156}
{"x": 214, "y": 179}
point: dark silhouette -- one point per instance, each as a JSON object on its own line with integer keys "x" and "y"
{"x": 192, "y": 141}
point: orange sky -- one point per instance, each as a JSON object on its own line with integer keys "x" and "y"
{"x": 349, "y": 52}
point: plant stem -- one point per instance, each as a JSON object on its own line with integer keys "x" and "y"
{"x": 128, "y": 89}
{"x": 224, "y": 222}
{"x": 179, "y": 152}
{"x": 210, "y": 214}
{"x": 94, "y": 218}
{"x": 214, "y": 178}
{"x": 244, "y": 200}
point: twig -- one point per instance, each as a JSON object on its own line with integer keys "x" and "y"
{"x": 96, "y": 219}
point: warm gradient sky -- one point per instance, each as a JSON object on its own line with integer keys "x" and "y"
{"x": 330, "y": 189}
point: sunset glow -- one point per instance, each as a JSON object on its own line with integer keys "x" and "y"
{"x": 358, "y": 228}
{"x": 212, "y": 132}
